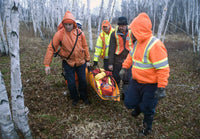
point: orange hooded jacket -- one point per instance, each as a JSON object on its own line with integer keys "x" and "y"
{"x": 157, "y": 55}
{"x": 80, "y": 54}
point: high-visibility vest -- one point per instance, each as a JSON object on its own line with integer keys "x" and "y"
{"x": 102, "y": 45}
{"x": 146, "y": 63}
{"x": 120, "y": 43}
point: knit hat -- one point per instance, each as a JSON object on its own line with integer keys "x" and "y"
{"x": 122, "y": 20}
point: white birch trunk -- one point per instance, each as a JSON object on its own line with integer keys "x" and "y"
{"x": 193, "y": 38}
{"x": 100, "y": 15}
{"x": 89, "y": 26}
{"x": 162, "y": 22}
{"x": 6, "y": 124}
{"x": 185, "y": 5}
{"x": 154, "y": 15}
{"x": 198, "y": 47}
{"x": 112, "y": 12}
{"x": 32, "y": 6}
{"x": 4, "y": 50}
{"x": 170, "y": 13}
{"x": 18, "y": 109}
{"x": 108, "y": 11}
{"x": 197, "y": 17}
{"x": 7, "y": 19}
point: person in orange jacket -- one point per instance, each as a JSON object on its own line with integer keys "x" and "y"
{"x": 75, "y": 56}
{"x": 150, "y": 71}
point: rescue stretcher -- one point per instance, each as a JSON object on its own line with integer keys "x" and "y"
{"x": 96, "y": 86}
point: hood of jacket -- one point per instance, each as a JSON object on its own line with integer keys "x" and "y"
{"x": 69, "y": 16}
{"x": 141, "y": 27}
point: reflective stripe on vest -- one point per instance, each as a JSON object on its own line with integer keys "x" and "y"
{"x": 146, "y": 64}
{"x": 128, "y": 36}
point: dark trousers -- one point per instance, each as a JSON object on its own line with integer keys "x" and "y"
{"x": 70, "y": 77}
{"x": 105, "y": 64}
{"x": 141, "y": 96}
{"x": 127, "y": 76}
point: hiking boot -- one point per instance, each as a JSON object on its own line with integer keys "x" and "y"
{"x": 135, "y": 113}
{"x": 145, "y": 132}
{"x": 87, "y": 102}
{"x": 74, "y": 102}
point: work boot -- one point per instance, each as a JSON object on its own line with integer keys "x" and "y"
{"x": 74, "y": 102}
{"x": 135, "y": 113}
{"x": 145, "y": 132}
{"x": 87, "y": 102}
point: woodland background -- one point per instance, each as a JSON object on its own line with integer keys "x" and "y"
{"x": 51, "y": 115}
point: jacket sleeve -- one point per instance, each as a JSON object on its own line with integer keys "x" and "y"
{"x": 85, "y": 47}
{"x": 98, "y": 49}
{"x": 49, "y": 53}
{"x": 112, "y": 47}
{"x": 127, "y": 62}
{"x": 158, "y": 56}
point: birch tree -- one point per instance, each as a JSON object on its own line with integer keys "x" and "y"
{"x": 89, "y": 26}
{"x": 6, "y": 124}
{"x": 107, "y": 16}
{"x": 4, "y": 49}
{"x": 100, "y": 16}
{"x": 162, "y": 22}
{"x": 18, "y": 109}
{"x": 198, "y": 47}
{"x": 170, "y": 14}
{"x": 193, "y": 39}
{"x": 112, "y": 12}
{"x": 7, "y": 19}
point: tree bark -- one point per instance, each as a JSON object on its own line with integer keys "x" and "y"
{"x": 112, "y": 12}
{"x": 108, "y": 11}
{"x": 4, "y": 49}
{"x": 162, "y": 22}
{"x": 7, "y": 19}
{"x": 6, "y": 124}
{"x": 170, "y": 13}
{"x": 100, "y": 16}
{"x": 89, "y": 26}
{"x": 18, "y": 109}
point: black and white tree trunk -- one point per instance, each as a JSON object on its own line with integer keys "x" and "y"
{"x": 108, "y": 11}
{"x": 18, "y": 109}
{"x": 4, "y": 46}
{"x": 89, "y": 26}
{"x": 166, "y": 27}
{"x": 7, "y": 19}
{"x": 6, "y": 124}
{"x": 162, "y": 22}
{"x": 112, "y": 12}
{"x": 100, "y": 16}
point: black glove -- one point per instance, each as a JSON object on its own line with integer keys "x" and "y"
{"x": 122, "y": 73}
{"x": 95, "y": 63}
{"x": 160, "y": 93}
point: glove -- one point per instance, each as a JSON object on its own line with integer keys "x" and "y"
{"x": 47, "y": 70}
{"x": 87, "y": 64}
{"x": 160, "y": 93}
{"x": 100, "y": 76}
{"x": 122, "y": 73}
{"x": 95, "y": 63}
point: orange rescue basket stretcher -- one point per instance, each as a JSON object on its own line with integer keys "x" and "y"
{"x": 94, "y": 84}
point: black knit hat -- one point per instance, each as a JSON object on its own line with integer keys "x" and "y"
{"x": 122, "y": 21}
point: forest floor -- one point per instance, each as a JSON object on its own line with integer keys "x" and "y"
{"x": 51, "y": 114}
